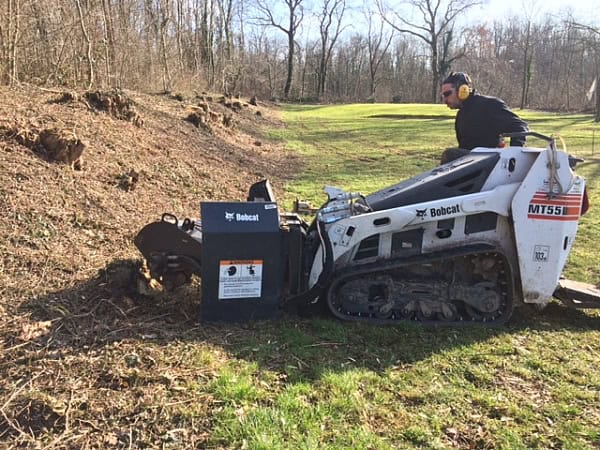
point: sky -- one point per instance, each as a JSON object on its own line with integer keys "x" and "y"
{"x": 587, "y": 11}
{"x": 584, "y": 11}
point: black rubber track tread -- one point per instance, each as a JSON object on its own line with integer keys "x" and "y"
{"x": 380, "y": 267}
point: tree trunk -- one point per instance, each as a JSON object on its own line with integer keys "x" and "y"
{"x": 226, "y": 7}
{"x": 197, "y": 38}
{"x": 150, "y": 34}
{"x": 597, "y": 115}
{"x": 290, "y": 66}
{"x": 304, "y": 63}
{"x": 90, "y": 61}
{"x": 178, "y": 33}
{"x": 322, "y": 70}
{"x": 526, "y": 68}
{"x": 109, "y": 50}
{"x": 7, "y": 44}
{"x": 165, "y": 60}
{"x": 208, "y": 41}
{"x": 14, "y": 41}
{"x": 435, "y": 71}
{"x": 270, "y": 78}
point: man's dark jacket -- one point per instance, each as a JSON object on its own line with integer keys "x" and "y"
{"x": 481, "y": 119}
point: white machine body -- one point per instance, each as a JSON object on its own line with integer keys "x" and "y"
{"x": 533, "y": 192}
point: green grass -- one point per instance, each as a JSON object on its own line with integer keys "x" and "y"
{"x": 119, "y": 373}
{"x": 350, "y": 147}
{"x": 368, "y": 147}
{"x": 325, "y": 384}
{"x": 320, "y": 383}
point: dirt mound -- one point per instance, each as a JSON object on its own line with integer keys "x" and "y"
{"x": 115, "y": 103}
{"x": 61, "y": 225}
{"x": 52, "y": 144}
{"x": 67, "y": 257}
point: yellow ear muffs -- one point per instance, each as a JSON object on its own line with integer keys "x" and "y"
{"x": 463, "y": 92}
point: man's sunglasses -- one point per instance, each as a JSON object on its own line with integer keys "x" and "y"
{"x": 446, "y": 94}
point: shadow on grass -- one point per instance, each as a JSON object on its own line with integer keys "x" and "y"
{"x": 290, "y": 107}
{"x": 412, "y": 116}
{"x": 568, "y": 120}
{"x": 591, "y": 166}
{"x": 105, "y": 309}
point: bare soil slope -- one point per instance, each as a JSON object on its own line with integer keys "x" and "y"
{"x": 80, "y": 175}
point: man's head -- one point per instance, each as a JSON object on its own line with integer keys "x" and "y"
{"x": 455, "y": 89}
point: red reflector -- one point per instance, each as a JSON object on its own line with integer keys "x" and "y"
{"x": 585, "y": 204}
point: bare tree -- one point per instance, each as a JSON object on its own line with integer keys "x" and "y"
{"x": 437, "y": 18}
{"x": 109, "y": 40}
{"x": 226, "y": 17}
{"x": 378, "y": 43}
{"x": 330, "y": 28}
{"x": 88, "y": 56}
{"x": 160, "y": 16}
{"x": 231, "y": 70}
{"x": 447, "y": 53}
{"x": 141, "y": 44}
{"x": 530, "y": 9}
{"x": 15, "y": 40}
{"x": 352, "y": 62}
{"x": 10, "y": 30}
{"x": 179, "y": 24}
{"x": 204, "y": 12}
{"x": 268, "y": 17}
{"x": 593, "y": 38}
{"x": 527, "y": 64}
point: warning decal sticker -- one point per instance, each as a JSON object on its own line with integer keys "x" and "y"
{"x": 240, "y": 279}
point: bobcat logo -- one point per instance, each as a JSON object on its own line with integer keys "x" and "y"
{"x": 229, "y": 216}
{"x": 421, "y": 212}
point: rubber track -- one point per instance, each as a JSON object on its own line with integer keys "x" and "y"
{"x": 380, "y": 267}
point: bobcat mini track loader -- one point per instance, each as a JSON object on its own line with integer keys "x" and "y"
{"x": 465, "y": 242}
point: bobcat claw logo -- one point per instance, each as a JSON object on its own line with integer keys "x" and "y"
{"x": 229, "y": 216}
{"x": 421, "y": 212}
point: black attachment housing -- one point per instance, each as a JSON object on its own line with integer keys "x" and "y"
{"x": 243, "y": 261}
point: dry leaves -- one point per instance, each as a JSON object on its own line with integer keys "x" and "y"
{"x": 73, "y": 329}
{"x": 33, "y": 330}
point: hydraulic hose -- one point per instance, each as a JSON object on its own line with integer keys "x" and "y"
{"x": 306, "y": 297}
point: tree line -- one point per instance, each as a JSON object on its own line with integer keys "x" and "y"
{"x": 327, "y": 50}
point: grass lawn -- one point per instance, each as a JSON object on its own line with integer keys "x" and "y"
{"x": 127, "y": 374}
{"x": 86, "y": 366}
{"x": 300, "y": 383}
{"x": 368, "y": 147}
